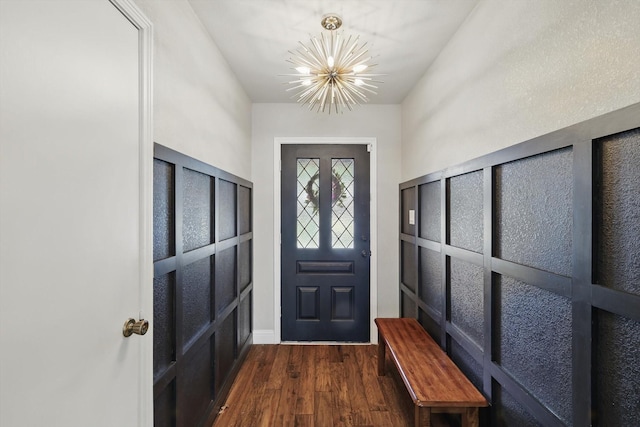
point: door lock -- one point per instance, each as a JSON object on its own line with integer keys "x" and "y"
{"x": 132, "y": 326}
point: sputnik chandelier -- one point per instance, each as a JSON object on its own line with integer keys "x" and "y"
{"x": 330, "y": 71}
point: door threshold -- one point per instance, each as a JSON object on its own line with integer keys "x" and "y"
{"x": 323, "y": 343}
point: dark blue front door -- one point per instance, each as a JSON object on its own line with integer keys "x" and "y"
{"x": 325, "y": 243}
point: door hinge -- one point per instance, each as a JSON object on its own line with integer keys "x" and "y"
{"x": 369, "y": 147}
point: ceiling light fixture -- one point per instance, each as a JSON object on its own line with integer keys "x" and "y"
{"x": 330, "y": 70}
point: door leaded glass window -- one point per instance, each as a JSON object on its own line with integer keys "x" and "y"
{"x": 342, "y": 206}
{"x": 308, "y": 217}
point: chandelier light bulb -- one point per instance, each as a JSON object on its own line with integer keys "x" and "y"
{"x": 329, "y": 70}
{"x": 359, "y": 68}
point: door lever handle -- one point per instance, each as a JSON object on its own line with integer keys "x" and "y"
{"x": 132, "y": 326}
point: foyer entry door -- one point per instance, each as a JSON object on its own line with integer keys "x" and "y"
{"x": 325, "y": 248}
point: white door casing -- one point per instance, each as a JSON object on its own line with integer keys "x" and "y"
{"x": 75, "y": 213}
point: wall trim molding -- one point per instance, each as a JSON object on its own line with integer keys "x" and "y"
{"x": 373, "y": 266}
{"x": 145, "y": 149}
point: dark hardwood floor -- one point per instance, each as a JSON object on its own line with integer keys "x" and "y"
{"x": 318, "y": 386}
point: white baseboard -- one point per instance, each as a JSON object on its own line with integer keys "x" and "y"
{"x": 264, "y": 336}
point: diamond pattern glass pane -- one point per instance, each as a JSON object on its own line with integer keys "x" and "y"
{"x": 308, "y": 223}
{"x": 342, "y": 192}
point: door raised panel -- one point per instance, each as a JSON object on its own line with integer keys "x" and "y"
{"x": 308, "y": 303}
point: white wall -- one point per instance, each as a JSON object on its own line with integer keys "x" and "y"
{"x": 292, "y": 120}
{"x": 519, "y": 69}
{"x": 200, "y": 109}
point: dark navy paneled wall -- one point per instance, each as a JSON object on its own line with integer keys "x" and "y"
{"x": 525, "y": 265}
{"x": 202, "y": 286}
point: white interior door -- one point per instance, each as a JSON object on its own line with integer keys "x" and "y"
{"x": 73, "y": 217}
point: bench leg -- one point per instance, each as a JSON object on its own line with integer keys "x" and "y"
{"x": 423, "y": 416}
{"x": 470, "y": 418}
{"x": 381, "y": 346}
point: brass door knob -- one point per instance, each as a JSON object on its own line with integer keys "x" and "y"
{"x": 132, "y": 326}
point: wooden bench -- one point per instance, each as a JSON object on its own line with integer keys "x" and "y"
{"x": 434, "y": 382}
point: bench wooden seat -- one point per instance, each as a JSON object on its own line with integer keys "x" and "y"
{"x": 434, "y": 382}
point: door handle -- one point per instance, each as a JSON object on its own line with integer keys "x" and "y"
{"x": 365, "y": 253}
{"x": 132, "y": 326}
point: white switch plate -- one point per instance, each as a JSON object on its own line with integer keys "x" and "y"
{"x": 412, "y": 217}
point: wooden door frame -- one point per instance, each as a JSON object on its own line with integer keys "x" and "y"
{"x": 373, "y": 225}
{"x": 145, "y": 184}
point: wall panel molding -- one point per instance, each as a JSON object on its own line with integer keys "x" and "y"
{"x": 203, "y": 287}
{"x": 557, "y": 259}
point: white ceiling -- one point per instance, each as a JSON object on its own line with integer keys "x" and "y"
{"x": 404, "y": 36}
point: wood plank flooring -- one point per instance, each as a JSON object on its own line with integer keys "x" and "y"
{"x": 318, "y": 386}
